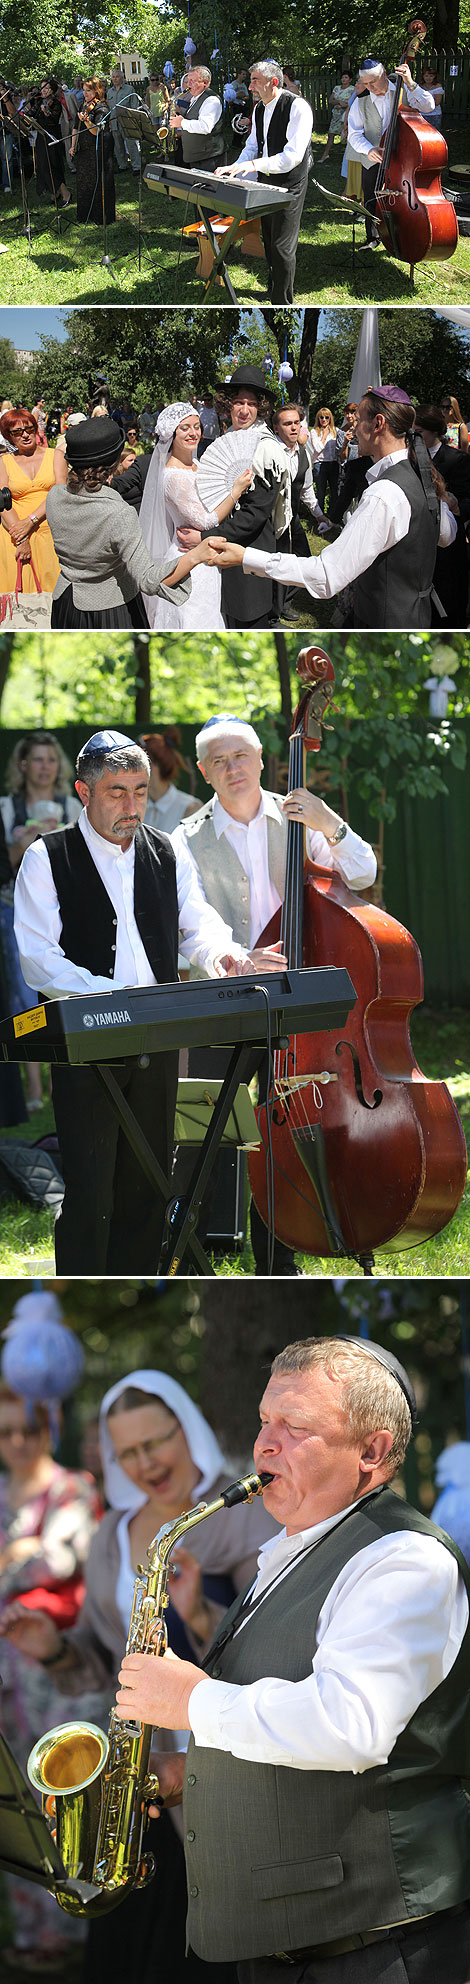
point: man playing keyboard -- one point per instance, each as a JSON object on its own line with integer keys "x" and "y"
{"x": 278, "y": 146}
{"x": 97, "y": 907}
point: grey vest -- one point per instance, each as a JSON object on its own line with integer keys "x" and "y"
{"x": 198, "y": 146}
{"x": 223, "y": 879}
{"x": 279, "y": 1858}
{"x": 372, "y": 121}
{"x": 396, "y": 589}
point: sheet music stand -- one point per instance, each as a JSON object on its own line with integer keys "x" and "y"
{"x": 27, "y": 1849}
{"x": 138, "y": 124}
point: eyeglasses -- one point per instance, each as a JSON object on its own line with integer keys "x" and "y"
{"x": 147, "y": 1448}
{"x": 19, "y": 1433}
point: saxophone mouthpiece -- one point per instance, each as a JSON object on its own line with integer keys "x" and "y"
{"x": 243, "y": 1491}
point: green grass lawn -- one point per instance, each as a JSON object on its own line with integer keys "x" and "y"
{"x": 442, "y": 1047}
{"x": 70, "y": 270}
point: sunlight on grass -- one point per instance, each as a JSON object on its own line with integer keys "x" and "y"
{"x": 70, "y": 269}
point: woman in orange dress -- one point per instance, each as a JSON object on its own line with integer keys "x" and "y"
{"x": 29, "y": 473}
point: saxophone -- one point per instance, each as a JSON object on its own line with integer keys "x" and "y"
{"x": 96, "y": 1789}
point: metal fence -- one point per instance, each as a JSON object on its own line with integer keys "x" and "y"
{"x": 454, "y": 74}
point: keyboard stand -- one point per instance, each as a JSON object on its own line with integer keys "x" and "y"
{"x": 221, "y": 251}
{"x": 182, "y": 1214}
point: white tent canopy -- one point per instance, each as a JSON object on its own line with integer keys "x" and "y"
{"x": 366, "y": 370}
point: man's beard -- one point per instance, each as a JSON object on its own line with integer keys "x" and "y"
{"x": 125, "y": 829}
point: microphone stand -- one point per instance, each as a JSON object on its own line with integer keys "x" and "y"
{"x": 15, "y": 126}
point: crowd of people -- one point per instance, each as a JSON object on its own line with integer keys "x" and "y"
{"x": 195, "y": 121}
{"x": 130, "y": 518}
{"x": 365, "y": 1696}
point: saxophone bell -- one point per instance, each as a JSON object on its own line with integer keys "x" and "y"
{"x": 96, "y": 1789}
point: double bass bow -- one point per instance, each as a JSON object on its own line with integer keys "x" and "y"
{"x": 364, "y": 1152}
{"x": 416, "y": 221}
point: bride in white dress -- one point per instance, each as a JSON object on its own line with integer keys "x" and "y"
{"x": 171, "y": 502}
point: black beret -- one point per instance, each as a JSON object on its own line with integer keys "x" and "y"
{"x": 94, "y": 443}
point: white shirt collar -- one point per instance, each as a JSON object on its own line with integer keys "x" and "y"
{"x": 223, "y": 821}
{"x": 378, "y": 468}
{"x": 103, "y": 848}
{"x": 281, "y": 1550}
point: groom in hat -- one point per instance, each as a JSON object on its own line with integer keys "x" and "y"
{"x": 387, "y": 551}
{"x": 250, "y": 402}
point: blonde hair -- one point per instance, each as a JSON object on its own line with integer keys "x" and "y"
{"x": 371, "y": 1397}
{"x": 325, "y": 409}
{"x": 17, "y": 767}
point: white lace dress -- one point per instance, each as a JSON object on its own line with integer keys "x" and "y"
{"x": 203, "y": 609}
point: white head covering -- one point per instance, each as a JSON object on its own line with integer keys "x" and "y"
{"x": 205, "y": 1452}
{"x": 157, "y": 530}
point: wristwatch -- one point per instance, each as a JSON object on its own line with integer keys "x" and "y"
{"x": 341, "y": 831}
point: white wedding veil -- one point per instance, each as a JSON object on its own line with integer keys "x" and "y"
{"x": 156, "y": 527}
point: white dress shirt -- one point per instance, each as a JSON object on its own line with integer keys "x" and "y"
{"x": 417, "y": 99}
{"x": 307, "y": 492}
{"x": 353, "y": 858}
{"x": 298, "y": 135}
{"x": 208, "y": 116}
{"x": 387, "y": 1635}
{"x": 38, "y": 922}
{"x": 382, "y": 518}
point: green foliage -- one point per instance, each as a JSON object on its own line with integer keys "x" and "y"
{"x": 419, "y": 350}
{"x": 12, "y": 375}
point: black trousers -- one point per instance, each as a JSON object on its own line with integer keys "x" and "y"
{"x": 436, "y": 1952}
{"x": 280, "y": 235}
{"x": 369, "y": 182}
{"x": 111, "y": 1221}
{"x": 294, "y": 540}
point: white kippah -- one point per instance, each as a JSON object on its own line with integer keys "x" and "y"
{"x": 224, "y": 726}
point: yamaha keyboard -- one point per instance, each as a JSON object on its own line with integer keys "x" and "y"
{"x": 157, "y": 1019}
{"x": 241, "y": 199}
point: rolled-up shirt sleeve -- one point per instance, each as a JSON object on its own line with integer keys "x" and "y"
{"x": 388, "y": 1634}
{"x": 381, "y": 520}
{"x": 203, "y": 934}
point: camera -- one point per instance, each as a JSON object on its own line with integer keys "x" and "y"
{"x": 5, "y": 499}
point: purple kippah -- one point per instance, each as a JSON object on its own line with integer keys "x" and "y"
{"x": 391, "y": 393}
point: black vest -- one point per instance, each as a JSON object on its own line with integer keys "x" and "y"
{"x": 88, "y": 918}
{"x": 396, "y": 589}
{"x": 279, "y": 1858}
{"x": 277, "y": 133}
{"x": 200, "y": 147}
{"x": 298, "y": 480}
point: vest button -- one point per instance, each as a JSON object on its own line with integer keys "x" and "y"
{"x": 191, "y": 1778}
{"x": 115, "y": 922}
{"x": 193, "y": 1893}
{"x": 190, "y": 1835}
{"x": 216, "y": 1673}
{"x": 113, "y": 947}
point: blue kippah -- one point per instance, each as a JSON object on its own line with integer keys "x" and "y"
{"x": 225, "y": 717}
{"x": 107, "y": 740}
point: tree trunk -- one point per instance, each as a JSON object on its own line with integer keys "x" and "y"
{"x": 142, "y": 677}
{"x": 6, "y": 657}
{"x": 307, "y": 354}
{"x": 241, "y": 1335}
{"x": 284, "y": 679}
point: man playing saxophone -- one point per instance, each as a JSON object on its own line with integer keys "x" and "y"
{"x": 326, "y": 1824}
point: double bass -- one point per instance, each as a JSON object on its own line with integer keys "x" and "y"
{"x": 359, "y": 1151}
{"x": 416, "y": 221}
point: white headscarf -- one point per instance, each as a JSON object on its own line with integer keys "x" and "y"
{"x": 204, "y": 1449}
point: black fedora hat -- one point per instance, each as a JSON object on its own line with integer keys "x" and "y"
{"x": 245, "y": 375}
{"x": 94, "y": 443}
